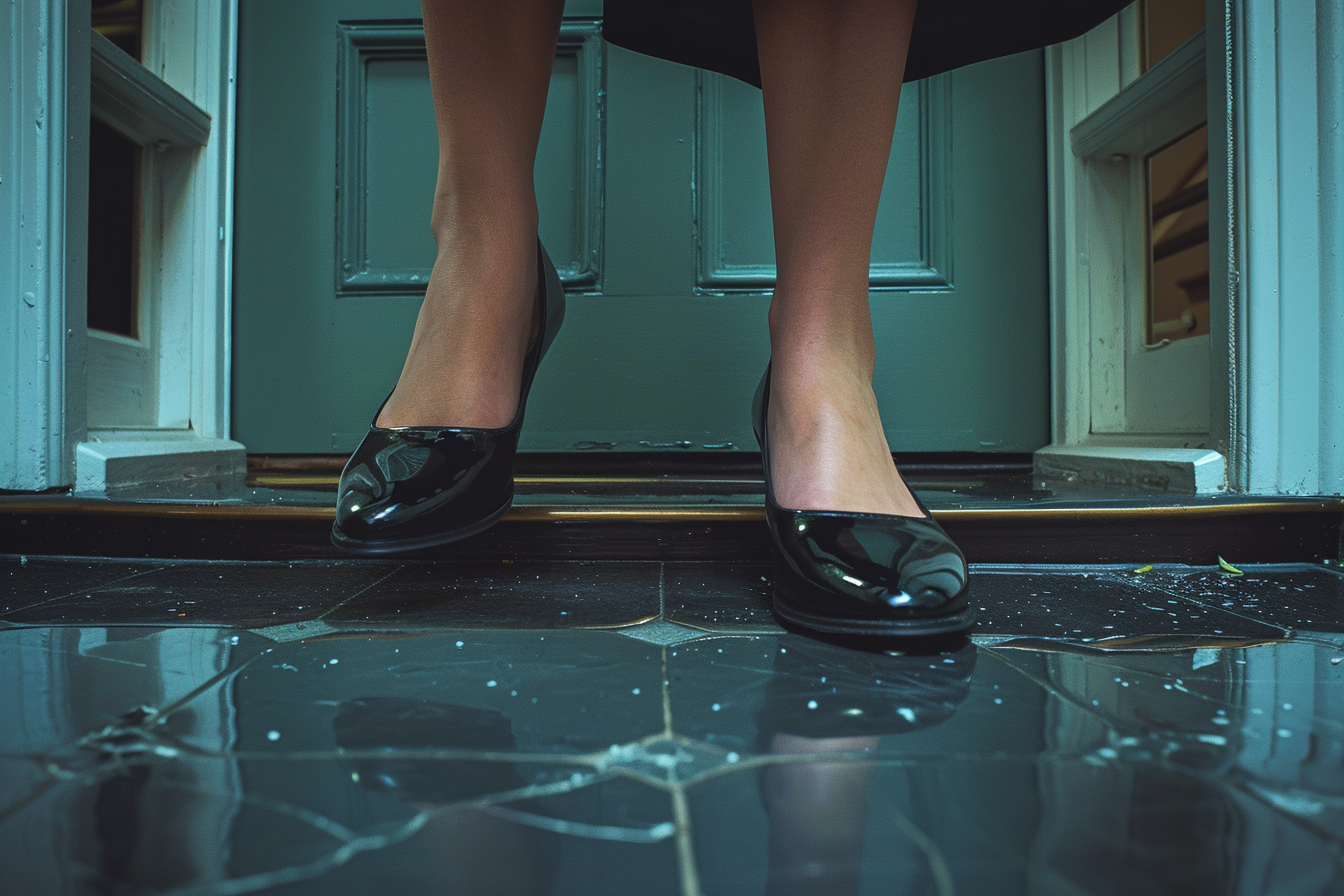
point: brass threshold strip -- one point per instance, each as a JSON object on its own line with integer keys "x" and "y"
{"x": 564, "y": 483}
{"x": 281, "y": 480}
{"x": 661, "y": 513}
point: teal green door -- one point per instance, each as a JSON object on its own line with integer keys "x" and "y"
{"x": 654, "y": 203}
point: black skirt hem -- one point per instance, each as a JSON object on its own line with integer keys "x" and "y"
{"x": 720, "y": 35}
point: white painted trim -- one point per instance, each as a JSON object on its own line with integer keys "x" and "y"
{"x": 188, "y": 246}
{"x": 1330, "y": 127}
{"x": 1182, "y": 471}
{"x": 196, "y": 240}
{"x": 173, "y": 464}
{"x": 1158, "y": 389}
{"x": 1103, "y": 118}
{"x": 1149, "y": 112}
{"x": 121, "y": 390}
{"x": 1275, "y": 100}
{"x": 1078, "y": 81}
{"x": 1284, "y": 331}
{"x": 44, "y": 55}
{"x": 140, "y": 106}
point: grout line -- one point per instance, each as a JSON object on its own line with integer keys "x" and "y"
{"x": 681, "y": 817}
{"x": 662, "y": 592}
{"x": 667, "y": 698}
{"x": 100, "y": 586}
{"x": 681, "y": 813}
{"x": 1283, "y": 630}
{"x": 324, "y": 615}
{"x": 1154, "y": 588}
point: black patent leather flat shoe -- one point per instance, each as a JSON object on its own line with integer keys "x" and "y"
{"x": 411, "y": 487}
{"x": 861, "y": 573}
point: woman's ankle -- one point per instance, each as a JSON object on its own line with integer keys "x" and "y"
{"x": 818, "y": 337}
{"x": 478, "y": 319}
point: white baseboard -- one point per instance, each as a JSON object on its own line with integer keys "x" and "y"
{"x": 121, "y": 464}
{"x": 1180, "y": 471}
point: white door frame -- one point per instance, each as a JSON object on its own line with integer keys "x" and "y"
{"x": 44, "y": 55}
{"x": 1282, "y": 80}
{"x": 188, "y": 76}
{"x": 1276, "y": 346}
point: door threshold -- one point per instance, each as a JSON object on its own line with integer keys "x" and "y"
{"x": 993, "y": 523}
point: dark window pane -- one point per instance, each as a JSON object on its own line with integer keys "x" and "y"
{"x": 114, "y": 174}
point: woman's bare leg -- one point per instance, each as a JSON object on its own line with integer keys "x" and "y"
{"x": 831, "y": 74}
{"x": 489, "y": 71}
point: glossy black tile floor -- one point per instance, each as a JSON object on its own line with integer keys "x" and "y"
{"x": 645, "y": 727}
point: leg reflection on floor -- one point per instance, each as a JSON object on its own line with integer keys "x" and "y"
{"x": 654, "y": 757}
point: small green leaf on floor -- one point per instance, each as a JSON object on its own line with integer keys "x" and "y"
{"x": 1147, "y": 567}
{"x": 1229, "y": 568}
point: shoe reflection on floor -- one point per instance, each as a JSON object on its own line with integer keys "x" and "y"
{"x": 817, "y": 810}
